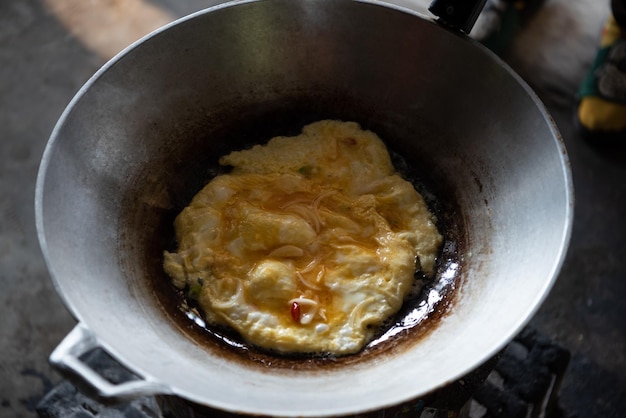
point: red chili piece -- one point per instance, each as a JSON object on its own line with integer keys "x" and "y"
{"x": 295, "y": 312}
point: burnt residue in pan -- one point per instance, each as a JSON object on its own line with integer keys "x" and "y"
{"x": 182, "y": 176}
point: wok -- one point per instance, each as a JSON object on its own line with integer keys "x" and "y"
{"x": 142, "y": 136}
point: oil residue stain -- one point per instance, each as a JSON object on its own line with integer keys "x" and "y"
{"x": 420, "y": 313}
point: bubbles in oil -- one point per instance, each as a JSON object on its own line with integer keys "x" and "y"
{"x": 418, "y": 309}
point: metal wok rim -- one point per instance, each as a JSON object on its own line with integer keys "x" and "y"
{"x": 371, "y": 404}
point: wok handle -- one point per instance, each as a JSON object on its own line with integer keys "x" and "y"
{"x": 457, "y": 14}
{"x": 66, "y": 358}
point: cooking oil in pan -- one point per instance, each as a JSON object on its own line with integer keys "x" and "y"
{"x": 419, "y": 314}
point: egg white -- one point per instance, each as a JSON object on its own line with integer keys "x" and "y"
{"x": 308, "y": 244}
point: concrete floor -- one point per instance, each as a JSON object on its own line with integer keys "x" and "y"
{"x": 48, "y": 49}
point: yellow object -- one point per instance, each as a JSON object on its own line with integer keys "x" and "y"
{"x": 611, "y": 32}
{"x": 600, "y": 109}
{"x": 309, "y": 244}
{"x": 597, "y": 114}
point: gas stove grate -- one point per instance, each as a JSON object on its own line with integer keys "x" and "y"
{"x": 520, "y": 382}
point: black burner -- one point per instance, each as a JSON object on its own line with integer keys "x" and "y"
{"x": 520, "y": 382}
